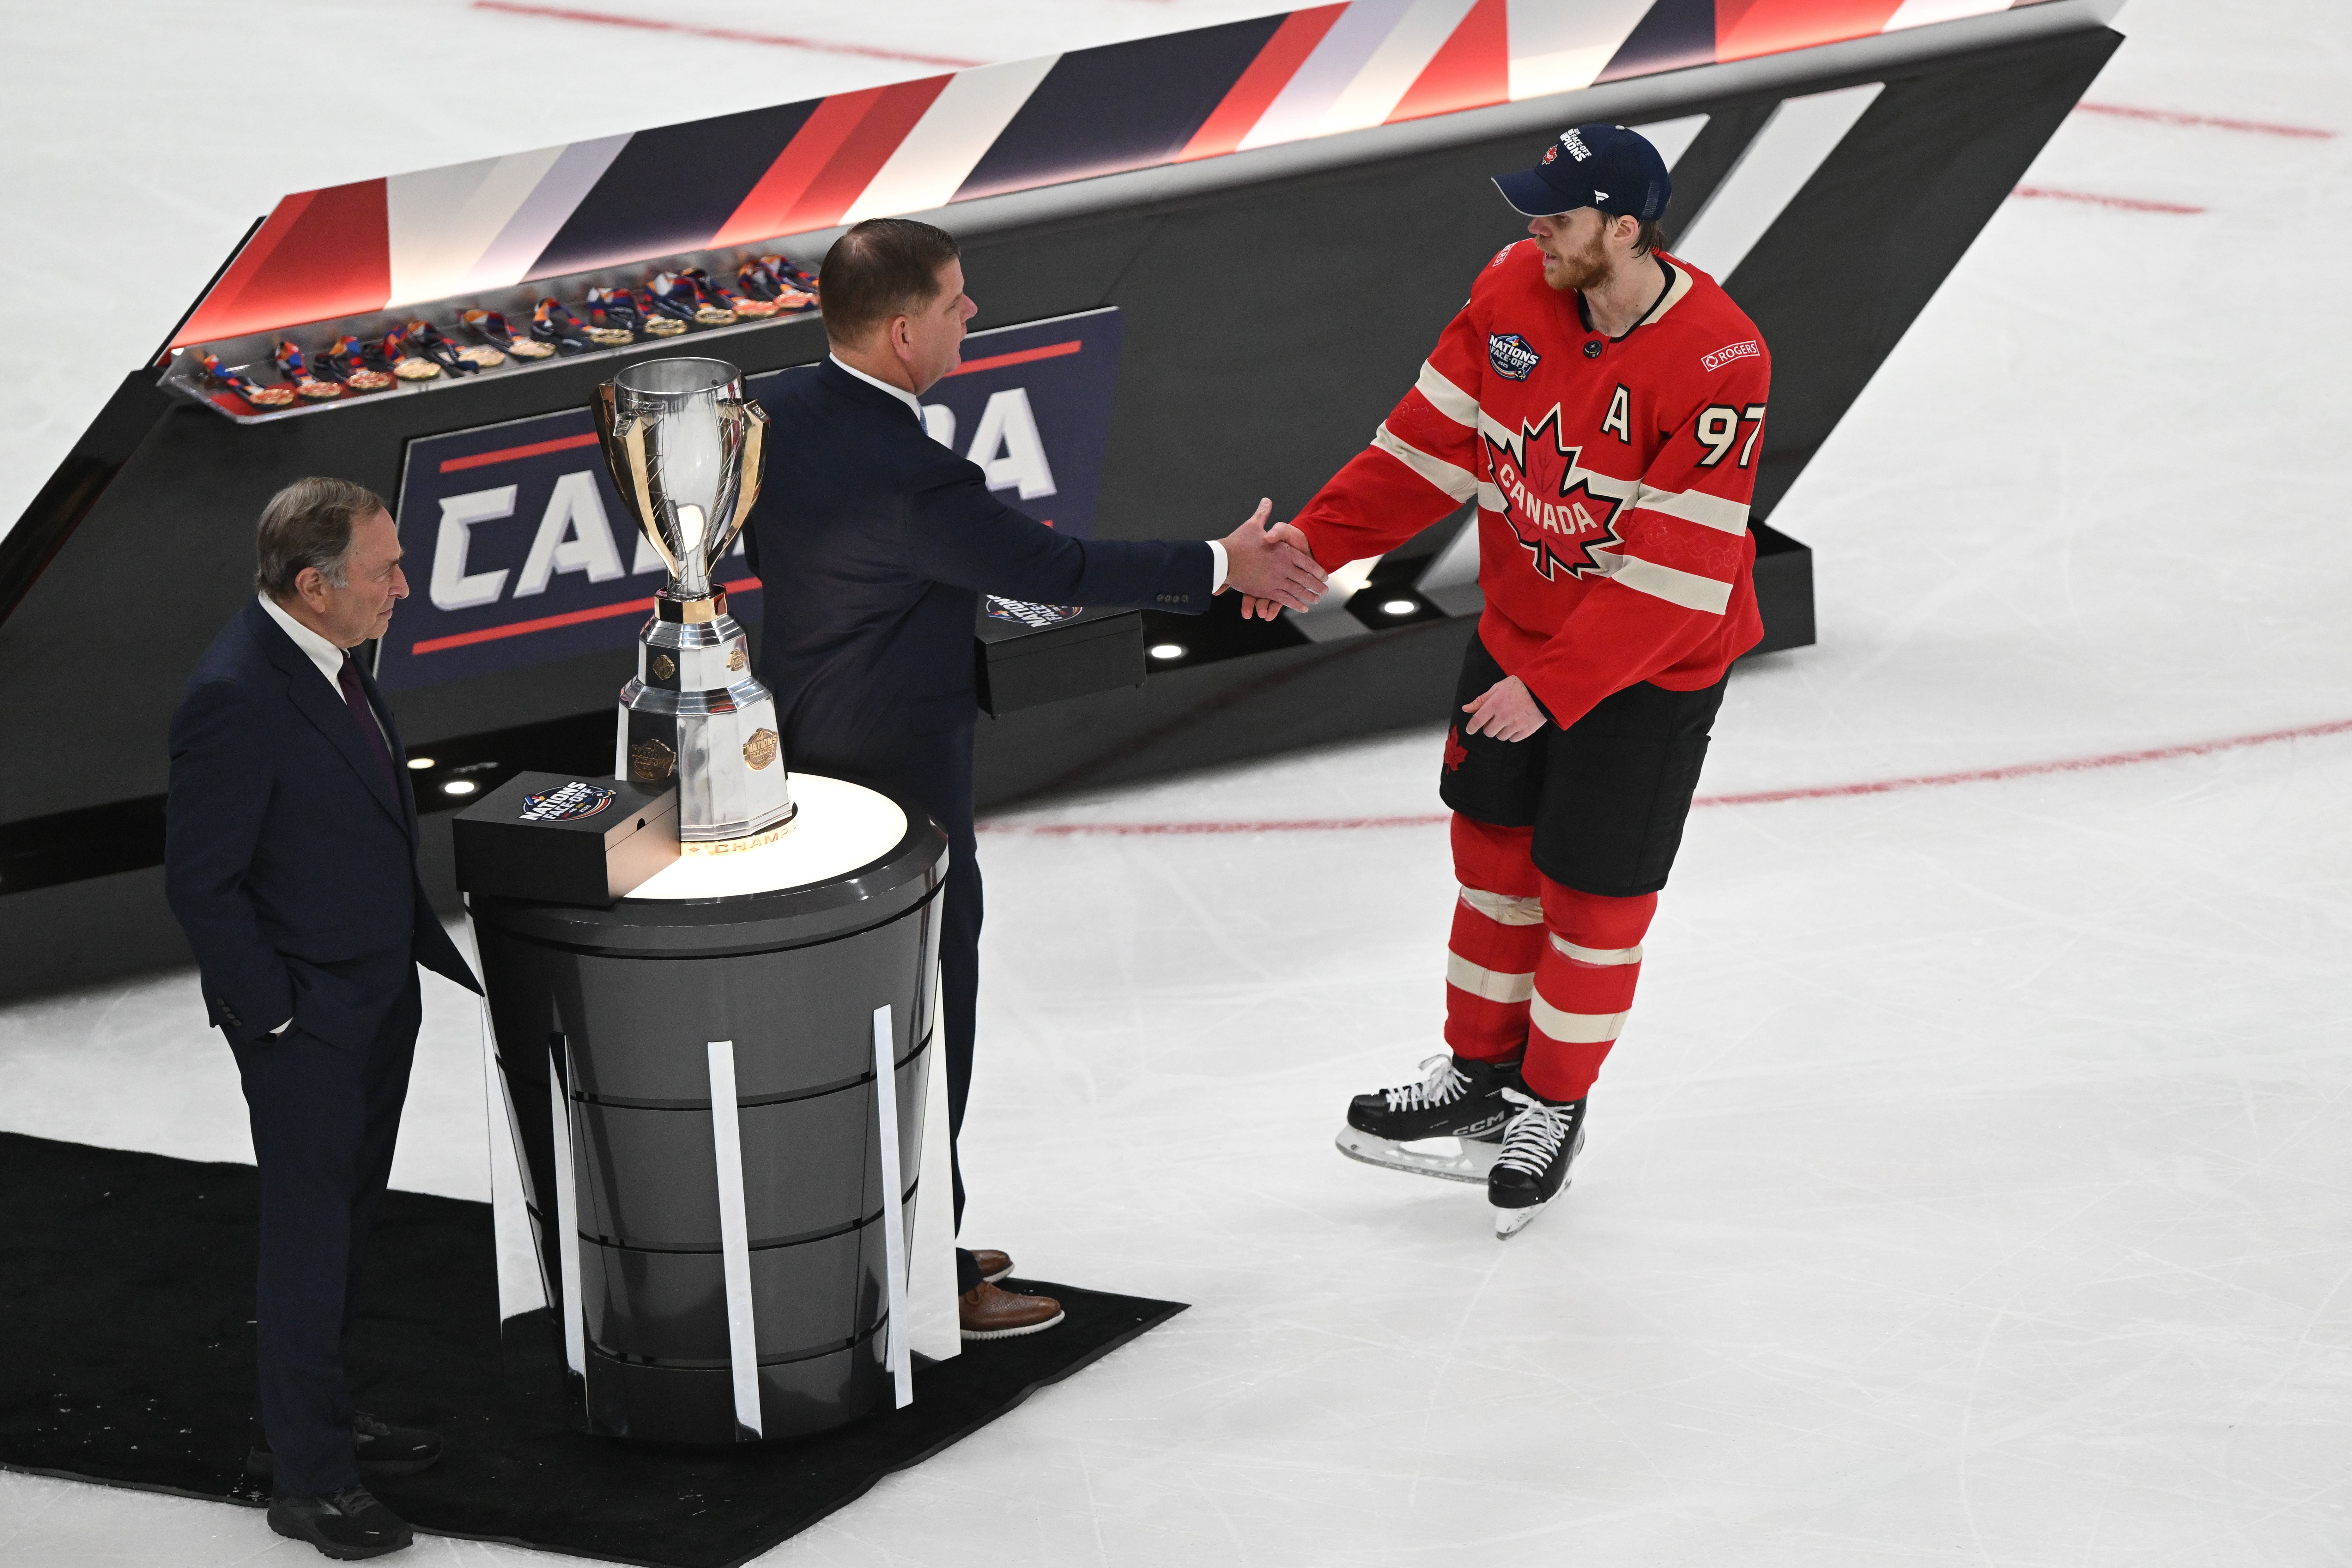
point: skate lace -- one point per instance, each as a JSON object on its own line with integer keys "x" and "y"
{"x": 1443, "y": 1085}
{"x": 1531, "y": 1140}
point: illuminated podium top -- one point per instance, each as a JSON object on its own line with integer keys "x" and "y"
{"x": 840, "y": 827}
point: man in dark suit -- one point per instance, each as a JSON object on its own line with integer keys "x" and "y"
{"x": 874, "y": 544}
{"x": 290, "y": 860}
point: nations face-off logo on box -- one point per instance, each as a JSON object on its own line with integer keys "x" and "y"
{"x": 519, "y": 550}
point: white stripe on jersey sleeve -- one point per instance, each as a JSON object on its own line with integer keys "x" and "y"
{"x": 1452, "y": 478}
{"x": 1445, "y": 397}
{"x": 1688, "y": 589}
{"x": 1695, "y": 505}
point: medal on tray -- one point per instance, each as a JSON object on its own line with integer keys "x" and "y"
{"x": 395, "y": 352}
{"x": 554, "y": 324}
{"x": 426, "y": 338}
{"x": 652, "y": 321}
{"x": 673, "y": 298}
{"x": 716, "y": 297}
{"x": 259, "y": 396}
{"x": 774, "y": 277}
{"x": 608, "y": 324}
{"x": 291, "y": 364}
{"x": 492, "y": 329}
{"x": 348, "y": 360}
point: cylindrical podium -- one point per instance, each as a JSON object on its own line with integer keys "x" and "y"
{"x": 691, "y": 1078}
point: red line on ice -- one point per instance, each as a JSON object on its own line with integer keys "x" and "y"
{"x": 2219, "y": 122}
{"x": 1753, "y": 797}
{"x": 2129, "y": 203}
{"x": 732, "y": 34}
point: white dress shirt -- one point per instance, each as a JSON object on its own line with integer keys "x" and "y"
{"x": 1216, "y": 547}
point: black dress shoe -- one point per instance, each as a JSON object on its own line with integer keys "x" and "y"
{"x": 383, "y": 1450}
{"x": 347, "y": 1526}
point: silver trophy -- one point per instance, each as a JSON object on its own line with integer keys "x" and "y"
{"x": 684, "y": 445}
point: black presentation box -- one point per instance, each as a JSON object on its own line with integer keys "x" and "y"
{"x": 1029, "y": 655}
{"x": 556, "y": 838}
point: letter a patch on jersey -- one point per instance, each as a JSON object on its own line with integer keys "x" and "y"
{"x": 1619, "y": 420}
{"x": 1548, "y": 506}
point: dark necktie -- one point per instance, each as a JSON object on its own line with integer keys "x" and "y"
{"x": 356, "y": 699}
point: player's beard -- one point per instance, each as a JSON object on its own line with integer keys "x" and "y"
{"x": 1580, "y": 269}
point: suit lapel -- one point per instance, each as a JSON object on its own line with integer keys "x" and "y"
{"x": 307, "y": 687}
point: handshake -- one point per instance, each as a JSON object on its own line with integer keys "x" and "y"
{"x": 1270, "y": 567}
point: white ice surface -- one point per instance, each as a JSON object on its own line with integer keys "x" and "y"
{"x": 1971, "y": 1185}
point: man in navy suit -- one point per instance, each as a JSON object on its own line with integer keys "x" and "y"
{"x": 290, "y": 860}
{"x": 874, "y": 544}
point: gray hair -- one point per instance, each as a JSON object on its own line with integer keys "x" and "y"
{"x": 309, "y": 524}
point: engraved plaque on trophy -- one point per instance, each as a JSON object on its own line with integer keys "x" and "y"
{"x": 684, "y": 445}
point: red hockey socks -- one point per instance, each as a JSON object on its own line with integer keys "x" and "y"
{"x": 1490, "y": 964}
{"x": 1585, "y": 974}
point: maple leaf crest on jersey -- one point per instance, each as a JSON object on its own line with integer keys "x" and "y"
{"x": 1549, "y": 506}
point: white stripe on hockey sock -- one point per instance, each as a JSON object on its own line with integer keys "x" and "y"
{"x": 1568, "y": 949}
{"x": 1505, "y": 909}
{"x": 1574, "y": 1028}
{"x": 1492, "y": 985}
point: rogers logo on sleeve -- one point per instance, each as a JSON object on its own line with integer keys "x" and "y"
{"x": 1725, "y": 355}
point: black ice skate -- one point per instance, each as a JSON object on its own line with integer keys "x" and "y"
{"x": 1538, "y": 1145}
{"x": 1456, "y": 1112}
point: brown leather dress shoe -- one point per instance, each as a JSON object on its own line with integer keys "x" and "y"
{"x": 986, "y": 1312}
{"x": 994, "y": 1264}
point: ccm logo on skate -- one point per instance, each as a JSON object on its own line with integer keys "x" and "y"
{"x": 1724, "y": 356}
{"x": 1509, "y": 355}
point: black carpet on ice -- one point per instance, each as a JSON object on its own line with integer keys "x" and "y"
{"x": 126, "y": 1357}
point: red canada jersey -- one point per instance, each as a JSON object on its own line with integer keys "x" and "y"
{"x": 1612, "y": 480}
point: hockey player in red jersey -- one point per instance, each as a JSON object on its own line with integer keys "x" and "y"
{"x": 1603, "y": 403}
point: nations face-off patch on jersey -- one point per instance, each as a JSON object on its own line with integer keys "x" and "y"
{"x": 1511, "y": 357}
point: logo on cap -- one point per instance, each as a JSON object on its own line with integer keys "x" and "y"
{"x": 1575, "y": 145}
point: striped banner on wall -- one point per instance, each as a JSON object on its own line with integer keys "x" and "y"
{"x": 914, "y": 147}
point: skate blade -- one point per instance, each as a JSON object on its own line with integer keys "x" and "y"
{"x": 1447, "y": 1159}
{"x": 1508, "y": 1223}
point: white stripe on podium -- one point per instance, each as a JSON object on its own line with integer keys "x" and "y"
{"x": 567, "y": 1215}
{"x": 894, "y": 1191}
{"x": 734, "y": 1238}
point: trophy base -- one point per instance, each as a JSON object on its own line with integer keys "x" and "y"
{"x": 755, "y": 838}
{"x": 695, "y": 714}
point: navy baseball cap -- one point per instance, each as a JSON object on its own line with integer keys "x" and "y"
{"x": 1604, "y": 166}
